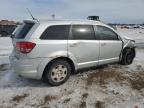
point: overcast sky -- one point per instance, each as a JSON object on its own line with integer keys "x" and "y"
{"x": 123, "y": 11}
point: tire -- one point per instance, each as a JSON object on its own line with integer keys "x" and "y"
{"x": 127, "y": 57}
{"x": 4, "y": 34}
{"x": 57, "y": 72}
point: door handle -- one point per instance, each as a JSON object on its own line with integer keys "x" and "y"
{"x": 76, "y": 43}
{"x": 103, "y": 44}
{"x": 73, "y": 44}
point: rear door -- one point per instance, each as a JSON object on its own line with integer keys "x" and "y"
{"x": 110, "y": 44}
{"x": 54, "y": 41}
{"x": 83, "y": 45}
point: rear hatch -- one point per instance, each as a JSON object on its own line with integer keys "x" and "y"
{"x": 20, "y": 38}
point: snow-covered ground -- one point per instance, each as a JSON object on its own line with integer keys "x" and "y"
{"x": 5, "y": 49}
{"x": 112, "y": 86}
{"x": 136, "y": 34}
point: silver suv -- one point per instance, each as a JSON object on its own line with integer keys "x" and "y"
{"x": 53, "y": 49}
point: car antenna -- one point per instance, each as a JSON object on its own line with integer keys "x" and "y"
{"x": 32, "y": 15}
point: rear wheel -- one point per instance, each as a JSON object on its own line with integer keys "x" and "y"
{"x": 57, "y": 72}
{"x": 128, "y": 56}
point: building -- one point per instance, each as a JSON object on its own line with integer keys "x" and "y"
{"x": 7, "y": 27}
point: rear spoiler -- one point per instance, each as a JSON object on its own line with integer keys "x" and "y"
{"x": 31, "y": 21}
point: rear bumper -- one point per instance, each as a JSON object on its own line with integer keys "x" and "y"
{"x": 26, "y": 67}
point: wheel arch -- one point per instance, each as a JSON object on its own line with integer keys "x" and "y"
{"x": 126, "y": 48}
{"x": 59, "y": 58}
{"x": 131, "y": 48}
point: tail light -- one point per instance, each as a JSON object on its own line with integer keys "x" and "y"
{"x": 25, "y": 47}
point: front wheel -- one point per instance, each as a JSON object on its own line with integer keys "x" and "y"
{"x": 127, "y": 57}
{"x": 57, "y": 72}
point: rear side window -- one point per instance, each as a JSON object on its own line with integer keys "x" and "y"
{"x": 83, "y": 32}
{"x": 104, "y": 33}
{"x": 23, "y": 30}
{"x": 56, "y": 32}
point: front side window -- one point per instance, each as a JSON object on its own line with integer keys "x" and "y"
{"x": 83, "y": 32}
{"x": 56, "y": 32}
{"x": 104, "y": 33}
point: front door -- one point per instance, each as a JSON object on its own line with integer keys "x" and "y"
{"x": 110, "y": 44}
{"x": 83, "y": 45}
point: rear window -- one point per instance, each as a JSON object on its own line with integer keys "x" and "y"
{"x": 23, "y": 30}
{"x": 56, "y": 32}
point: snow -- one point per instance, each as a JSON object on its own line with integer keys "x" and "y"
{"x": 5, "y": 49}
{"x": 136, "y": 34}
{"x": 112, "y": 86}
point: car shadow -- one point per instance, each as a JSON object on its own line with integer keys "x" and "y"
{"x": 92, "y": 68}
{"x": 11, "y": 79}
